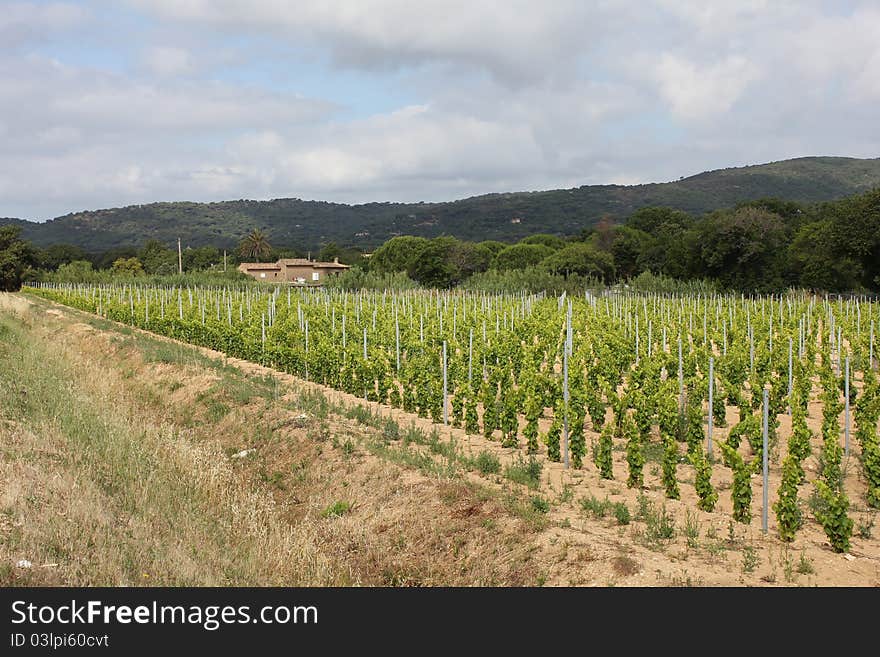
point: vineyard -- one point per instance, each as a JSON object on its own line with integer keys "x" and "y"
{"x": 706, "y": 387}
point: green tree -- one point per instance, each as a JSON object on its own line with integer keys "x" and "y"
{"x": 553, "y": 241}
{"x": 15, "y": 256}
{"x": 59, "y": 254}
{"x": 329, "y": 251}
{"x": 520, "y": 256}
{"x": 628, "y": 249}
{"x": 397, "y": 254}
{"x": 433, "y": 267}
{"x": 581, "y": 258}
{"x": 158, "y": 259}
{"x": 78, "y": 271}
{"x": 255, "y": 246}
{"x": 814, "y": 262}
{"x": 128, "y": 267}
{"x": 743, "y": 249}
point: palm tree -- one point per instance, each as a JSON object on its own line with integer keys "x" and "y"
{"x": 255, "y": 245}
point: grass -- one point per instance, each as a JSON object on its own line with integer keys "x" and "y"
{"x": 596, "y": 507}
{"x": 750, "y": 559}
{"x": 525, "y": 472}
{"x": 336, "y": 509}
{"x": 487, "y": 463}
{"x": 132, "y": 501}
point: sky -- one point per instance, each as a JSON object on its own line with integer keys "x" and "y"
{"x": 111, "y": 103}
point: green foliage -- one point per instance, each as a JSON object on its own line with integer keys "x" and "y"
{"x": 833, "y": 516}
{"x": 552, "y": 438}
{"x": 487, "y": 463}
{"x": 15, "y": 256}
{"x": 670, "y": 465}
{"x": 602, "y": 453}
{"x": 526, "y": 472}
{"x": 703, "y": 480}
{"x": 788, "y": 513}
{"x": 635, "y": 458}
{"x": 741, "y": 491}
{"x": 336, "y": 509}
{"x": 521, "y": 256}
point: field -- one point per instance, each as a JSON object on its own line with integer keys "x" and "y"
{"x": 327, "y": 413}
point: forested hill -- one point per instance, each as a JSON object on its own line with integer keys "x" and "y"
{"x": 505, "y": 217}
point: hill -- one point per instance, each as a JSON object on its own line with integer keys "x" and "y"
{"x": 504, "y": 217}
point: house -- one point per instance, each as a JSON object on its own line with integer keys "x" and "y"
{"x": 298, "y": 271}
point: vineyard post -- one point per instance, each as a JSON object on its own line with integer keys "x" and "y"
{"x": 871, "y": 347}
{"x": 307, "y": 350}
{"x": 637, "y": 339}
{"x": 764, "y": 460}
{"x": 565, "y": 387}
{"x": 790, "y": 373}
{"x": 680, "y": 378}
{"x": 711, "y": 399}
{"x": 397, "y": 341}
{"x": 751, "y": 349}
{"x": 839, "y": 337}
{"x": 846, "y": 414}
{"x": 445, "y": 409}
{"x": 471, "y": 359}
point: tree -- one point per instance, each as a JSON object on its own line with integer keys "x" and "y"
{"x": 59, "y": 254}
{"x": 553, "y": 241}
{"x": 433, "y": 267}
{"x": 201, "y": 258}
{"x": 329, "y": 251}
{"x": 814, "y": 264}
{"x": 520, "y": 256}
{"x": 157, "y": 258}
{"x": 581, "y": 258}
{"x": 15, "y": 256}
{"x": 78, "y": 271}
{"x": 467, "y": 259}
{"x": 397, "y": 254}
{"x": 856, "y": 233}
{"x": 128, "y": 267}
{"x": 628, "y": 248}
{"x": 743, "y": 249}
{"x": 255, "y": 246}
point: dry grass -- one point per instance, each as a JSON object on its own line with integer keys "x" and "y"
{"x": 116, "y": 469}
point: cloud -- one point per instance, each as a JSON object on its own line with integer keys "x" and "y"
{"x": 695, "y": 92}
{"x": 168, "y": 61}
{"x": 391, "y": 100}
{"x": 22, "y": 23}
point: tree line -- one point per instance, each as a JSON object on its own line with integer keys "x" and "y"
{"x": 766, "y": 245}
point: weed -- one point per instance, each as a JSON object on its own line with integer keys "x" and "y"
{"x": 750, "y": 559}
{"x": 525, "y": 472}
{"x": 660, "y": 525}
{"x": 338, "y": 508}
{"x": 598, "y": 508}
{"x": 692, "y": 529}
{"x": 621, "y": 512}
{"x": 866, "y": 524}
{"x": 567, "y": 494}
{"x": 487, "y": 463}
{"x": 805, "y": 565}
{"x": 539, "y": 504}
{"x": 348, "y": 447}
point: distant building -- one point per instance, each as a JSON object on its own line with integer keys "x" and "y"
{"x": 298, "y": 271}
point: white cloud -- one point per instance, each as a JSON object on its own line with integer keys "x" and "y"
{"x": 214, "y": 100}
{"x": 695, "y": 92}
{"x": 168, "y": 61}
